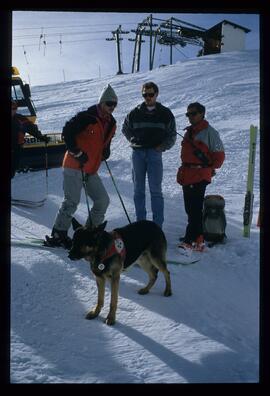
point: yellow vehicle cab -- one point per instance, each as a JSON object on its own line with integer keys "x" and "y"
{"x": 36, "y": 155}
{"x": 21, "y": 92}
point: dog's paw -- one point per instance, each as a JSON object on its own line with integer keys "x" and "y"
{"x": 143, "y": 291}
{"x": 91, "y": 315}
{"x": 167, "y": 293}
{"x": 110, "y": 321}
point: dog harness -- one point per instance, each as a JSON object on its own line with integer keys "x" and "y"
{"x": 117, "y": 247}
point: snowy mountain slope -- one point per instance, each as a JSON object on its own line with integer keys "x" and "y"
{"x": 208, "y": 330}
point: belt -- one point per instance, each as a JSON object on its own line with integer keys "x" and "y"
{"x": 194, "y": 166}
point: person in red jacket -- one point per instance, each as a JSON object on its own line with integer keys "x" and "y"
{"x": 20, "y": 125}
{"x": 87, "y": 136}
{"x": 202, "y": 152}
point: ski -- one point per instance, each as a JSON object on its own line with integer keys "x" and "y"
{"x": 183, "y": 262}
{"x": 34, "y": 239}
{"x": 39, "y": 243}
{"x": 44, "y": 242}
{"x": 32, "y": 242}
{"x": 28, "y": 203}
{"x": 248, "y": 206}
{"x": 29, "y": 243}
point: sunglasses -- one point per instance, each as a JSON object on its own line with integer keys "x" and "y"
{"x": 151, "y": 95}
{"x": 191, "y": 113}
{"x": 111, "y": 104}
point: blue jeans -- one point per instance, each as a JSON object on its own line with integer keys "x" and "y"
{"x": 148, "y": 161}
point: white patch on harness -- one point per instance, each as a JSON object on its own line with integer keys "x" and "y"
{"x": 119, "y": 245}
{"x": 101, "y": 266}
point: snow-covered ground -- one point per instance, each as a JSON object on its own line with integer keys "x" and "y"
{"x": 208, "y": 330}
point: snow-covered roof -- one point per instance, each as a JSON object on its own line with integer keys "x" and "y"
{"x": 225, "y": 21}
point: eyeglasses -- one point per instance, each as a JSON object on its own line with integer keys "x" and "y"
{"x": 191, "y": 113}
{"x": 150, "y": 94}
{"x": 111, "y": 104}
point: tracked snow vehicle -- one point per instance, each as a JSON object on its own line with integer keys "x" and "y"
{"x": 35, "y": 154}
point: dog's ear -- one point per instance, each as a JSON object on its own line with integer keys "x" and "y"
{"x": 75, "y": 224}
{"x": 101, "y": 227}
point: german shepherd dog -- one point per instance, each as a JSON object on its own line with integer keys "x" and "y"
{"x": 109, "y": 253}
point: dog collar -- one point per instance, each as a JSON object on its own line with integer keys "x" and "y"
{"x": 117, "y": 247}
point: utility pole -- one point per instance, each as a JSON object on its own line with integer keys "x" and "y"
{"x": 139, "y": 52}
{"x": 154, "y": 49}
{"x": 150, "y": 19}
{"x": 137, "y": 49}
{"x": 171, "y": 43}
{"x": 116, "y": 37}
{"x": 147, "y": 23}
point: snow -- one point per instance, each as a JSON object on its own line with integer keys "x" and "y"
{"x": 208, "y": 330}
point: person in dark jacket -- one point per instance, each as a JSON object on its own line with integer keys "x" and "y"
{"x": 150, "y": 128}
{"x": 88, "y": 137}
{"x": 202, "y": 152}
{"x": 20, "y": 125}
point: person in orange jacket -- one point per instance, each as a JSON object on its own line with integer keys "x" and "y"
{"x": 87, "y": 136}
{"x": 202, "y": 152}
{"x": 20, "y": 125}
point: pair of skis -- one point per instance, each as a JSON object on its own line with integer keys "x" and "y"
{"x": 39, "y": 244}
{"x": 28, "y": 203}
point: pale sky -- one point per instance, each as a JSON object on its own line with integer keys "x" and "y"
{"x": 76, "y": 47}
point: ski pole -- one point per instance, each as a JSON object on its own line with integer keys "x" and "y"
{"x": 117, "y": 191}
{"x": 46, "y": 166}
{"x": 84, "y": 186}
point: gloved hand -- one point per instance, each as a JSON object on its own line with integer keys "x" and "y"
{"x": 81, "y": 157}
{"x": 159, "y": 148}
{"x": 135, "y": 142}
{"x": 45, "y": 138}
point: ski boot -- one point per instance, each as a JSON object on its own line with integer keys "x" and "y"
{"x": 58, "y": 238}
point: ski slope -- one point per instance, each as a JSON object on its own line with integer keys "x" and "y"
{"x": 208, "y": 330}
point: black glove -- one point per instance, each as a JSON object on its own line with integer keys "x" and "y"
{"x": 135, "y": 142}
{"x": 81, "y": 157}
{"x": 45, "y": 138}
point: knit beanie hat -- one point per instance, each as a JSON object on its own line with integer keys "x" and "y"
{"x": 108, "y": 95}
